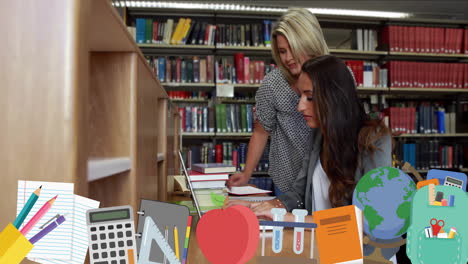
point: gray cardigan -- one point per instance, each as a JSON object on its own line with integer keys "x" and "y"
{"x": 302, "y": 192}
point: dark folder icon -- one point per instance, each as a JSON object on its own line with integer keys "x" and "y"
{"x": 163, "y": 214}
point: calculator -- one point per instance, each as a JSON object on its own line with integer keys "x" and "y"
{"x": 111, "y": 235}
{"x": 450, "y": 181}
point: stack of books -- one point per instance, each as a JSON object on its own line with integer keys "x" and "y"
{"x": 209, "y": 184}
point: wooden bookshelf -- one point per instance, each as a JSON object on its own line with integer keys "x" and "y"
{"x": 234, "y": 134}
{"x": 247, "y": 85}
{"x": 198, "y": 134}
{"x": 434, "y": 135}
{"x": 236, "y": 101}
{"x": 439, "y": 55}
{"x": 358, "y": 52}
{"x": 244, "y": 48}
{"x": 102, "y": 168}
{"x": 173, "y": 46}
{"x": 428, "y": 90}
{"x": 372, "y": 89}
{"x": 173, "y": 141}
{"x": 341, "y": 26}
{"x": 189, "y": 100}
{"x": 215, "y": 134}
{"x": 79, "y": 97}
{"x": 188, "y": 84}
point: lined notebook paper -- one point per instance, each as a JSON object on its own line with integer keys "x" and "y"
{"x": 80, "y": 234}
{"x": 57, "y": 244}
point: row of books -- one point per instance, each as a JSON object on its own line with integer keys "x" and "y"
{"x": 194, "y": 32}
{"x": 185, "y": 31}
{"x": 188, "y": 94}
{"x": 243, "y": 70}
{"x": 248, "y": 96}
{"x": 192, "y": 69}
{"x": 197, "y": 118}
{"x": 235, "y": 118}
{"x": 227, "y": 153}
{"x": 424, "y": 39}
{"x": 364, "y": 39}
{"x": 426, "y": 118}
{"x": 428, "y": 74}
{"x": 368, "y": 74}
{"x": 430, "y": 154}
{"x": 246, "y": 35}
{"x": 234, "y": 70}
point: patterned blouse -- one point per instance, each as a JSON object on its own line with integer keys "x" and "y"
{"x": 276, "y": 111}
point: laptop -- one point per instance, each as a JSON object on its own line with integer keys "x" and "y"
{"x": 195, "y": 200}
{"x": 194, "y": 197}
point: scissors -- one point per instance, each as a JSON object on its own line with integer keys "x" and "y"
{"x": 436, "y": 226}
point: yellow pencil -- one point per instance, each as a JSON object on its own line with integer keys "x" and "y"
{"x": 176, "y": 242}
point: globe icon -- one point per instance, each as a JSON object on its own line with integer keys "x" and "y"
{"x": 384, "y": 195}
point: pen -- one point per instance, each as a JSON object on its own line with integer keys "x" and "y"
{"x": 48, "y": 229}
{"x": 27, "y": 207}
{"x": 25, "y": 230}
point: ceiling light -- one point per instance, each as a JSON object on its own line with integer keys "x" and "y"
{"x": 250, "y": 8}
{"x": 364, "y": 13}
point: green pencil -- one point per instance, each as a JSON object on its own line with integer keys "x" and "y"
{"x": 27, "y": 207}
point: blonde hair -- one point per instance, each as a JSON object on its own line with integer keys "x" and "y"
{"x": 302, "y": 30}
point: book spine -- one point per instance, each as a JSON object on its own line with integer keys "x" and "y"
{"x": 196, "y": 69}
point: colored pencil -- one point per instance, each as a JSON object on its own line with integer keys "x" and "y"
{"x": 27, "y": 207}
{"x": 44, "y": 209}
{"x": 176, "y": 242}
{"x": 48, "y": 229}
{"x": 187, "y": 237}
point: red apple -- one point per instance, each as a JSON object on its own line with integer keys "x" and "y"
{"x": 228, "y": 236}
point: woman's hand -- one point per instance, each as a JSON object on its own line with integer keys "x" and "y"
{"x": 263, "y": 210}
{"x": 238, "y": 179}
{"x": 230, "y": 203}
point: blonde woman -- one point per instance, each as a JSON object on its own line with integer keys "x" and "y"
{"x": 296, "y": 38}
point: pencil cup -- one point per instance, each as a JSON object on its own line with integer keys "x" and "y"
{"x": 13, "y": 246}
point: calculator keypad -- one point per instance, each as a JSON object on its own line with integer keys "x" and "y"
{"x": 454, "y": 185}
{"x": 110, "y": 243}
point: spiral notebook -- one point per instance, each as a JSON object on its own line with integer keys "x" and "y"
{"x": 163, "y": 214}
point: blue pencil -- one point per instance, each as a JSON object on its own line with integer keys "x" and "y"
{"x": 27, "y": 207}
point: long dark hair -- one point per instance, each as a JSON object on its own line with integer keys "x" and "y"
{"x": 345, "y": 126}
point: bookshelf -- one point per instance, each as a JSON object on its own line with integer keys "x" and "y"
{"x": 453, "y": 135}
{"x": 346, "y": 26}
{"x": 80, "y": 105}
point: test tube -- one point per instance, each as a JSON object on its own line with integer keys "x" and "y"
{"x": 277, "y": 242}
{"x": 298, "y": 241}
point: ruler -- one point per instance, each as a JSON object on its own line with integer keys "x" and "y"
{"x": 431, "y": 192}
{"x": 151, "y": 232}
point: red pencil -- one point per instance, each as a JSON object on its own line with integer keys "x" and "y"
{"x": 44, "y": 209}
